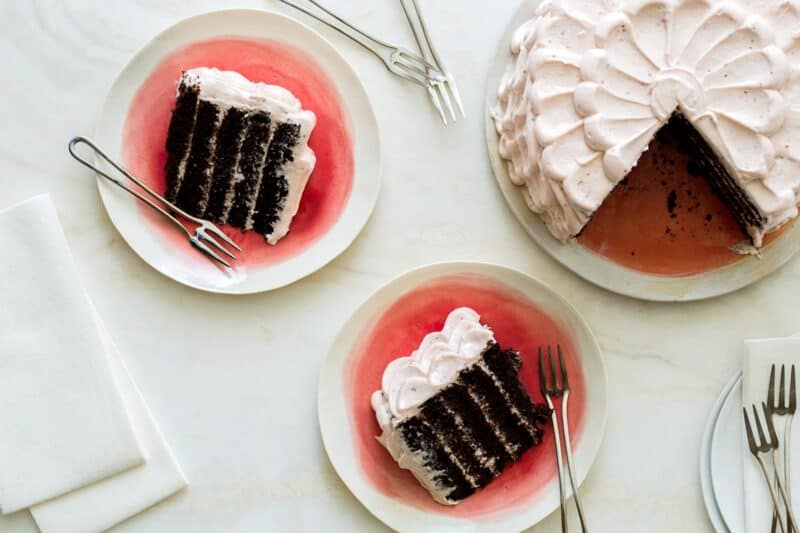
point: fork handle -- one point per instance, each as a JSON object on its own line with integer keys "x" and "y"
{"x": 570, "y": 463}
{"x": 419, "y": 36}
{"x": 562, "y": 484}
{"x": 792, "y": 523}
{"x": 381, "y": 49}
{"x": 148, "y": 201}
{"x": 787, "y": 455}
{"x": 772, "y": 492}
{"x": 429, "y": 47}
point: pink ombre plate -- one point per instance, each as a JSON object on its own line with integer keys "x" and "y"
{"x": 524, "y": 315}
{"x": 266, "y": 47}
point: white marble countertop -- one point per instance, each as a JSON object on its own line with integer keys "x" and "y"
{"x": 238, "y": 401}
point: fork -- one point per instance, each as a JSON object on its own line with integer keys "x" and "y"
{"x": 558, "y": 385}
{"x": 783, "y": 407}
{"x": 768, "y": 444}
{"x": 204, "y": 231}
{"x": 443, "y": 90}
{"x": 398, "y": 60}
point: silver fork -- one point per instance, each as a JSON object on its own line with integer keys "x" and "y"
{"x": 768, "y": 444}
{"x": 784, "y": 406}
{"x": 558, "y": 385}
{"x": 443, "y": 90}
{"x": 204, "y": 231}
{"x": 398, "y": 60}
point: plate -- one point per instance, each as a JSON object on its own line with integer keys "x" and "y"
{"x": 319, "y": 71}
{"x": 706, "y": 480}
{"x": 523, "y": 313}
{"x": 727, "y": 463}
{"x": 598, "y": 269}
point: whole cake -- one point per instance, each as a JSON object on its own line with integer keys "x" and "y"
{"x": 454, "y": 412}
{"x": 593, "y": 81}
{"x": 237, "y": 151}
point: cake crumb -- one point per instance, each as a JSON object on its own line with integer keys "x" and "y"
{"x": 672, "y": 201}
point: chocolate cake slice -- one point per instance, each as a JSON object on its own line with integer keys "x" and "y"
{"x": 237, "y": 151}
{"x": 454, "y": 412}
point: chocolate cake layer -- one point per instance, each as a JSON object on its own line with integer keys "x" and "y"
{"x": 506, "y": 424}
{"x": 473, "y": 428}
{"x": 477, "y": 428}
{"x": 231, "y": 133}
{"x": 275, "y": 187}
{"x": 420, "y": 438}
{"x": 253, "y": 152}
{"x": 196, "y": 184}
{"x": 179, "y": 136}
{"x": 444, "y": 416}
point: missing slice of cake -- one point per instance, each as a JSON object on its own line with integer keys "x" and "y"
{"x": 237, "y": 151}
{"x": 455, "y": 412}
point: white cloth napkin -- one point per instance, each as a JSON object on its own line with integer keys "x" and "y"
{"x": 759, "y": 356}
{"x": 63, "y": 424}
{"x": 101, "y": 506}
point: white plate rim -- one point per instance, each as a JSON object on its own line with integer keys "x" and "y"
{"x": 736, "y": 386}
{"x": 706, "y": 481}
{"x": 335, "y": 423}
{"x": 363, "y": 127}
{"x": 597, "y": 269}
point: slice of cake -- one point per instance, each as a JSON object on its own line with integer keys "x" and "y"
{"x": 593, "y": 81}
{"x": 237, "y": 151}
{"x": 454, "y": 412}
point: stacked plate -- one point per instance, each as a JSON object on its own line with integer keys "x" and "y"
{"x": 721, "y": 460}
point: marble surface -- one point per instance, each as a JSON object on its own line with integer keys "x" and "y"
{"x": 237, "y": 401}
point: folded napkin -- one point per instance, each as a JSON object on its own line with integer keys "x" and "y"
{"x": 63, "y": 424}
{"x": 103, "y": 505}
{"x": 758, "y": 358}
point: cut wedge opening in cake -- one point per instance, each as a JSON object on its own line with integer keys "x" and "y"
{"x": 237, "y": 151}
{"x": 678, "y": 135}
{"x": 592, "y": 82}
{"x": 709, "y": 166}
{"x": 455, "y": 413}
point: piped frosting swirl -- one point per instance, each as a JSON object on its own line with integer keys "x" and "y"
{"x": 408, "y": 381}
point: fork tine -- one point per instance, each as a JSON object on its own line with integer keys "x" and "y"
{"x": 542, "y": 377}
{"x": 221, "y": 234}
{"x": 443, "y": 88}
{"x": 554, "y": 376}
{"x": 434, "y": 95}
{"x": 757, "y": 420}
{"x": 773, "y": 437}
{"x": 771, "y": 388}
{"x": 564, "y": 378}
{"x": 212, "y": 241}
{"x": 751, "y": 440}
{"x": 200, "y": 245}
{"x": 456, "y": 96}
{"x": 782, "y": 390}
{"x": 792, "y": 393}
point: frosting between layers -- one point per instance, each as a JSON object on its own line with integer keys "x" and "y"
{"x": 409, "y": 381}
{"x": 228, "y": 89}
{"x": 594, "y": 80}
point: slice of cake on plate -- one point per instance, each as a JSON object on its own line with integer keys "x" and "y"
{"x": 237, "y": 151}
{"x": 455, "y": 412}
{"x": 593, "y": 81}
